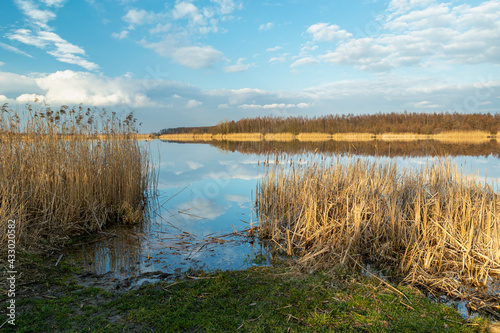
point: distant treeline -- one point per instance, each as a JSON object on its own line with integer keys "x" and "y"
{"x": 420, "y": 123}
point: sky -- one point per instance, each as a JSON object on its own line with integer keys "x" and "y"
{"x": 198, "y": 62}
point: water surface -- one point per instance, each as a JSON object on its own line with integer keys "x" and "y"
{"x": 205, "y": 199}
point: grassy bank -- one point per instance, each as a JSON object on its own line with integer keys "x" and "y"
{"x": 448, "y": 137}
{"x": 259, "y": 299}
{"x": 436, "y": 227}
{"x": 55, "y": 187}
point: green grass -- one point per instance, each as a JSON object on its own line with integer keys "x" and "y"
{"x": 259, "y": 299}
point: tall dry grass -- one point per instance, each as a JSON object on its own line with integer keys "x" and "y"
{"x": 56, "y": 182}
{"x": 434, "y": 225}
{"x": 463, "y": 136}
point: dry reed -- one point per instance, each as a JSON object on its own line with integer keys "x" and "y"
{"x": 434, "y": 225}
{"x": 353, "y": 137}
{"x": 403, "y": 137}
{"x": 56, "y": 185}
{"x": 282, "y": 137}
{"x": 313, "y": 137}
{"x": 463, "y": 136}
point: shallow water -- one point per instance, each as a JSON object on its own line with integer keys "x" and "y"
{"x": 204, "y": 206}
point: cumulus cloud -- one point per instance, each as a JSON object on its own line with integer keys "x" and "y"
{"x": 170, "y": 36}
{"x": 12, "y": 85}
{"x": 140, "y": 16}
{"x": 196, "y": 56}
{"x": 328, "y": 33}
{"x": 68, "y": 87}
{"x": 187, "y": 9}
{"x": 414, "y": 33}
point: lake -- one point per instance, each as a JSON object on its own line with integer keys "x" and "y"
{"x": 205, "y": 198}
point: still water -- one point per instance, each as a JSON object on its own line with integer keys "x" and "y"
{"x": 205, "y": 200}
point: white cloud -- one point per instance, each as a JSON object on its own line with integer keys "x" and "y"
{"x": 427, "y": 105}
{"x": 328, "y": 33}
{"x": 140, "y": 16}
{"x": 120, "y": 35}
{"x": 68, "y": 87}
{"x": 2, "y": 63}
{"x": 159, "y": 28}
{"x": 14, "y": 49}
{"x": 35, "y": 15}
{"x": 305, "y": 61}
{"x": 280, "y": 58}
{"x": 196, "y": 57}
{"x": 14, "y": 84}
{"x": 42, "y": 37}
{"x": 192, "y": 103}
{"x": 187, "y": 9}
{"x": 61, "y": 49}
{"x": 417, "y": 32}
{"x": 29, "y": 98}
{"x": 274, "y": 106}
{"x": 272, "y": 49}
{"x": 55, "y": 3}
{"x": 266, "y": 26}
{"x": 238, "y": 67}
{"x": 226, "y": 6}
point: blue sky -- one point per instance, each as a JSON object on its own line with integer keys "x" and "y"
{"x": 184, "y": 63}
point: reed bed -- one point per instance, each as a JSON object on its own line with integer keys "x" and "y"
{"x": 313, "y": 137}
{"x": 55, "y": 187}
{"x": 463, "y": 136}
{"x": 353, "y": 136}
{"x": 403, "y": 137}
{"x": 281, "y": 137}
{"x": 243, "y": 137}
{"x": 433, "y": 225}
{"x": 186, "y": 137}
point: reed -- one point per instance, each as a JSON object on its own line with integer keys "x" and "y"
{"x": 313, "y": 137}
{"x": 243, "y": 137}
{"x": 433, "y": 225}
{"x": 353, "y": 137}
{"x": 403, "y": 137}
{"x": 463, "y": 136}
{"x": 281, "y": 137}
{"x": 56, "y": 182}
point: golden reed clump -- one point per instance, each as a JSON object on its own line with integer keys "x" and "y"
{"x": 434, "y": 225}
{"x": 62, "y": 175}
